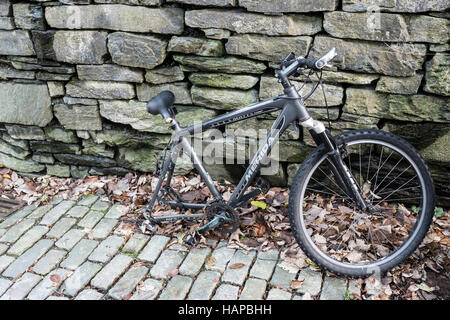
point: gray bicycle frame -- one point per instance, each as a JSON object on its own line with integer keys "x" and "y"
{"x": 293, "y": 110}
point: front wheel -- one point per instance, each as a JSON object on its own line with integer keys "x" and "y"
{"x": 397, "y": 187}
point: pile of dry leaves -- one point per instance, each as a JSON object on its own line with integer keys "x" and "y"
{"x": 264, "y": 225}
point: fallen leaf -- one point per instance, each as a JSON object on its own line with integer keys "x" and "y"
{"x": 296, "y": 284}
{"x": 55, "y": 278}
{"x": 236, "y": 265}
{"x": 173, "y": 273}
{"x": 126, "y": 296}
{"x": 259, "y": 204}
{"x": 210, "y": 261}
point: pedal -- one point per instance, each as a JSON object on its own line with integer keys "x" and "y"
{"x": 189, "y": 239}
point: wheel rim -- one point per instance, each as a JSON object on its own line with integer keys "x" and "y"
{"x": 356, "y": 254}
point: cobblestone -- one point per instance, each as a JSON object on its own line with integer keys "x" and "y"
{"x": 80, "y": 278}
{"x": 70, "y": 239}
{"x": 125, "y": 229}
{"x": 135, "y": 244}
{"x": 100, "y": 205}
{"x": 22, "y": 263}
{"x": 88, "y": 201}
{"x": 333, "y": 289}
{"x": 221, "y": 257}
{"x": 179, "y": 247}
{"x": 168, "y": 261}
{"x": 91, "y": 219}
{"x": 79, "y": 254}
{"x": 354, "y": 288}
{"x": 238, "y": 275}
{"x": 278, "y": 294}
{"x": 54, "y": 214}
{"x": 21, "y": 287}
{"x": 312, "y": 281}
{"x": 128, "y": 282}
{"x": 254, "y": 289}
{"x": 148, "y": 290}
{"x": 282, "y": 278}
{"x": 263, "y": 269}
{"x": 3, "y": 248}
{"x": 269, "y": 255}
{"x": 194, "y": 261}
{"x": 153, "y": 249}
{"x": 204, "y": 285}
{"x": 27, "y": 240}
{"x": 226, "y": 292}
{"x": 40, "y": 212}
{"x": 48, "y": 285}
{"x": 4, "y": 285}
{"x": 14, "y": 218}
{"x": 115, "y": 212}
{"x": 106, "y": 277}
{"x": 61, "y": 227}
{"x": 103, "y": 228}
{"x": 5, "y": 261}
{"x": 49, "y": 261}
{"x": 107, "y": 249}
{"x": 57, "y": 298}
{"x": 177, "y": 288}
{"x": 89, "y": 294}
{"x": 16, "y": 231}
{"x": 78, "y": 211}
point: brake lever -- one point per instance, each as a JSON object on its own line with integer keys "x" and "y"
{"x": 290, "y": 58}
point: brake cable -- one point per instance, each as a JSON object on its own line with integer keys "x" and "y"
{"x": 325, "y": 98}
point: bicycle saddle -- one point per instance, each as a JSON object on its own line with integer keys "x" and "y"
{"x": 162, "y": 104}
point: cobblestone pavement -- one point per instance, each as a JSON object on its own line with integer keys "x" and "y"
{"x": 81, "y": 250}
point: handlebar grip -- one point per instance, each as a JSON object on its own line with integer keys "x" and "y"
{"x": 309, "y": 63}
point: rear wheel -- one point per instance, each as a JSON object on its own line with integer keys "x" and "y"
{"x": 393, "y": 180}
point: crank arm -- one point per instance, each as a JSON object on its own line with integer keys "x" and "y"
{"x": 213, "y": 224}
{"x": 248, "y": 196}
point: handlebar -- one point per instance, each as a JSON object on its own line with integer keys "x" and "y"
{"x": 289, "y": 66}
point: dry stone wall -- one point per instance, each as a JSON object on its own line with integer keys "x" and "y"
{"x": 75, "y": 76}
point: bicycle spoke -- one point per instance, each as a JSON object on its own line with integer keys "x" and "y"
{"x": 353, "y": 235}
{"x": 394, "y": 179}
{"x": 409, "y": 188}
{"x": 379, "y": 167}
{"x": 332, "y": 180}
{"x": 326, "y": 187}
{"x": 376, "y": 186}
{"x": 368, "y": 166}
{"x": 395, "y": 191}
{"x": 360, "y": 169}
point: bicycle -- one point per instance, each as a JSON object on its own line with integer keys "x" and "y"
{"x": 347, "y": 201}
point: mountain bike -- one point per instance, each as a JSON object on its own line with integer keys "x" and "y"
{"x": 348, "y": 203}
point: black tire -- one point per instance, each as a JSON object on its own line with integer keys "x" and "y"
{"x": 378, "y": 266}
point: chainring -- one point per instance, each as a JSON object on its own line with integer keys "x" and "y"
{"x": 215, "y": 207}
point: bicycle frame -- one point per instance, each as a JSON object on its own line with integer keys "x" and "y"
{"x": 293, "y": 110}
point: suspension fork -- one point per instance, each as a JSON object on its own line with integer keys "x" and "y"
{"x": 340, "y": 170}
